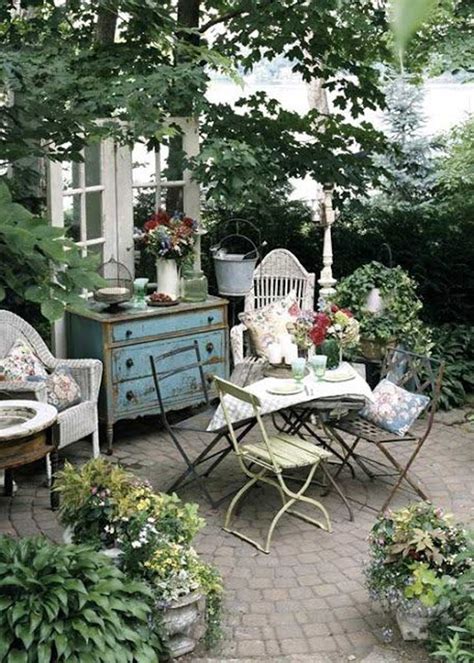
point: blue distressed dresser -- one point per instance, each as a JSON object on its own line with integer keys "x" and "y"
{"x": 124, "y": 342}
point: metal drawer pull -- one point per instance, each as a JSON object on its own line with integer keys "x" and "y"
{"x": 128, "y": 333}
{"x": 210, "y": 347}
{"x": 210, "y": 320}
{"x": 210, "y": 378}
{"x": 129, "y": 363}
{"x": 129, "y": 395}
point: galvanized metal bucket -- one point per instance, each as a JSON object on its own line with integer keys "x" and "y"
{"x": 234, "y": 271}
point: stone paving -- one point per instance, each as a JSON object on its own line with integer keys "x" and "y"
{"x": 306, "y": 600}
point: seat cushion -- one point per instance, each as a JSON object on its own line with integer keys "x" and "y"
{"x": 62, "y": 389}
{"x": 288, "y": 450}
{"x": 266, "y": 325}
{"x": 21, "y": 362}
{"x": 393, "y": 408}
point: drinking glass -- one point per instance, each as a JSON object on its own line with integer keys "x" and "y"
{"x": 297, "y": 368}
{"x": 139, "y": 288}
{"x": 318, "y": 364}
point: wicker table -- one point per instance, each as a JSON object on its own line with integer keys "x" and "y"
{"x": 27, "y": 434}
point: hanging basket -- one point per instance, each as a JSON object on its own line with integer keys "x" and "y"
{"x": 234, "y": 271}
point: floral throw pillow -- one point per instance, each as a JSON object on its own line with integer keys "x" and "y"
{"x": 21, "y": 362}
{"x": 61, "y": 388}
{"x": 393, "y": 408}
{"x": 265, "y": 325}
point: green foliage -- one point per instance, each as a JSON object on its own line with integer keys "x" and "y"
{"x": 37, "y": 263}
{"x": 416, "y": 552}
{"x": 452, "y": 636}
{"x": 400, "y": 318}
{"x": 455, "y": 345}
{"x": 70, "y": 604}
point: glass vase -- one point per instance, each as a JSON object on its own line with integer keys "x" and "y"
{"x": 331, "y": 348}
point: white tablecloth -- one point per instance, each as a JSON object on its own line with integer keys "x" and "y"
{"x": 238, "y": 410}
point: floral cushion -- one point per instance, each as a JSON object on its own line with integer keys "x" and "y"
{"x": 393, "y": 408}
{"x": 61, "y": 388}
{"x": 21, "y": 362}
{"x": 265, "y": 325}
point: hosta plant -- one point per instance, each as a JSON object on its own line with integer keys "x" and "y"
{"x": 70, "y": 604}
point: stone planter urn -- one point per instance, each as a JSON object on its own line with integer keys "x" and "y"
{"x": 183, "y": 622}
{"x": 414, "y": 619}
{"x": 113, "y": 553}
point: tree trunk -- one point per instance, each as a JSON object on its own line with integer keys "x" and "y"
{"x": 106, "y": 25}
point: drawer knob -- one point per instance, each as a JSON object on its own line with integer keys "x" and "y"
{"x": 129, "y": 363}
{"x": 210, "y": 319}
{"x": 209, "y": 378}
{"x": 128, "y": 333}
{"x": 210, "y": 347}
{"x": 129, "y": 395}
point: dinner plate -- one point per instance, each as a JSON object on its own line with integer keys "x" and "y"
{"x": 285, "y": 388}
{"x": 338, "y": 376}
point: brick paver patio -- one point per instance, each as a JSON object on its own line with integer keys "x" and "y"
{"x": 306, "y": 600}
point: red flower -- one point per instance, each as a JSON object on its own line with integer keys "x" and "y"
{"x": 160, "y": 218}
{"x": 334, "y": 308}
{"x": 319, "y": 330}
{"x": 347, "y": 312}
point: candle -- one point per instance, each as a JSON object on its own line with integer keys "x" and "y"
{"x": 274, "y": 353}
{"x": 291, "y": 353}
{"x": 285, "y": 341}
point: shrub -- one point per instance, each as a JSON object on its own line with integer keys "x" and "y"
{"x": 70, "y": 604}
{"x": 455, "y": 345}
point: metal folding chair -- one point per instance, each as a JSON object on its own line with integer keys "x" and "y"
{"x": 416, "y": 373}
{"x": 163, "y": 369}
{"x": 271, "y": 455}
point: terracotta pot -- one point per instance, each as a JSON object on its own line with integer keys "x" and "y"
{"x": 184, "y": 622}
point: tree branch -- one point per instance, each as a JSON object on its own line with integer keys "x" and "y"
{"x": 226, "y": 17}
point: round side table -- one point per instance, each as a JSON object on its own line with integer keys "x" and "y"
{"x": 28, "y": 432}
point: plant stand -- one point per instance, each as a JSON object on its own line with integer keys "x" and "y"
{"x": 183, "y": 622}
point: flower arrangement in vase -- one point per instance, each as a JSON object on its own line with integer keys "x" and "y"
{"x": 331, "y": 329}
{"x": 171, "y": 240}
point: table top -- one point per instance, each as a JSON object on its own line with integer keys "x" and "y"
{"x": 313, "y": 390}
{"x": 22, "y": 418}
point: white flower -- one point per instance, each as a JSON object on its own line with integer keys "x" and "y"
{"x": 150, "y": 519}
{"x": 136, "y": 544}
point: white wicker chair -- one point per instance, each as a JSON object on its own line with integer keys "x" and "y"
{"x": 75, "y": 422}
{"x": 279, "y": 273}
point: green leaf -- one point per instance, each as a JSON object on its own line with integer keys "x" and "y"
{"x": 52, "y": 309}
{"x": 16, "y": 656}
{"x": 2, "y": 293}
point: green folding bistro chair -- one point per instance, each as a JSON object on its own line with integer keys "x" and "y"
{"x": 271, "y": 455}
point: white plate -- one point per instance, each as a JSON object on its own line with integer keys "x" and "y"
{"x": 285, "y": 388}
{"x": 338, "y": 376}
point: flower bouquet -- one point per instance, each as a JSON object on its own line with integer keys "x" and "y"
{"x": 331, "y": 329}
{"x": 171, "y": 241}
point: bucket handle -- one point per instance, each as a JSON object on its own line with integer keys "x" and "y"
{"x": 254, "y": 249}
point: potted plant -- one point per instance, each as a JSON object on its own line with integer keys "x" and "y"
{"x": 416, "y": 554}
{"x": 70, "y": 604}
{"x": 150, "y": 534}
{"x": 385, "y": 302}
{"x": 170, "y": 239}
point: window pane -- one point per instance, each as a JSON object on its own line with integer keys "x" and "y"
{"x": 97, "y": 250}
{"x": 143, "y": 164}
{"x": 72, "y": 216}
{"x": 92, "y": 165}
{"x": 93, "y": 215}
{"x": 67, "y": 174}
{"x": 172, "y": 159}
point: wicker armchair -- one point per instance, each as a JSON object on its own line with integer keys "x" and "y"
{"x": 279, "y": 273}
{"x": 75, "y": 422}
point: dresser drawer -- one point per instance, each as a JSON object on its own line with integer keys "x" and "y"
{"x": 167, "y": 324}
{"x": 133, "y": 361}
{"x": 180, "y": 390}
